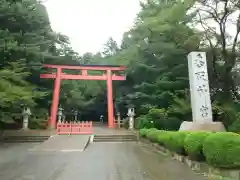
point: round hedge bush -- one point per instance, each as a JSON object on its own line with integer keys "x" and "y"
{"x": 193, "y": 144}
{"x": 143, "y": 132}
{"x": 163, "y": 137}
{"x": 152, "y": 134}
{"x": 175, "y": 141}
{"x": 222, "y": 150}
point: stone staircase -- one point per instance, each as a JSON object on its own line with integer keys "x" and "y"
{"x": 98, "y": 124}
{"x": 114, "y": 138}
{"x": 24, "y": 139}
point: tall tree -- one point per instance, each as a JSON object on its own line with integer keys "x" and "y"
{"x": 110, "y": 48}
{"x": 160, "y": 53}
{"x": 26, "y": 40}
{"x": 220, "y": 24}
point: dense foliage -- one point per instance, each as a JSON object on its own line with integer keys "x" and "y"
{"x": 154, "y": 50}
{"x": 218, "y": 149}
{"x": 27, "y": 41}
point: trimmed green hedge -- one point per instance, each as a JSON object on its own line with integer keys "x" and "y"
{"x": 223, "y": 150}
{"x": 143, "y": 132}
{"x": 193, "y": 144}
{"x": 152, "y": 134}
{"x": 176, "y": 142}
{"x": 163, "y": 137}
{"x": 218, "y": 149}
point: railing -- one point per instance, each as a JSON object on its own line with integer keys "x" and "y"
{"x": 118, "y": 123}
{"x": 75, "y": 128}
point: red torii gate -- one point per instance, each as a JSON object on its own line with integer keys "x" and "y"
{"x": 109, "y": 76}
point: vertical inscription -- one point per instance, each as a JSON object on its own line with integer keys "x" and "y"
{"x": 200, "y": 95}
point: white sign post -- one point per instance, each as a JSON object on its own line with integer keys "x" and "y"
{"x": 200, "y": 95}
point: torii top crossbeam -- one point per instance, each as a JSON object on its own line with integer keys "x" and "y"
{"x": 87, "y": 67}
{"x": 84, "y": 75}
{"x": 108, "y": 75}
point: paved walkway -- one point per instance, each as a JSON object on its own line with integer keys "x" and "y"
{"x": 100, "y": 161}
{"x": 63, "y": 143}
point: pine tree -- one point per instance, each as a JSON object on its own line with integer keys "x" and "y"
{"x": 158, "y": 68}
{"x": 26, "y": 39}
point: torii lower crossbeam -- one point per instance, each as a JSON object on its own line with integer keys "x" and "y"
{"x": 108, "y": 76}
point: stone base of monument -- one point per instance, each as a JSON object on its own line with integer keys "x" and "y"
{"x": 206, "y": 126}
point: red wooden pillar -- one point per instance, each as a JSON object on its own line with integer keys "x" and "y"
{"x": 110, "y": 99}
{"x": 56, "y": 92}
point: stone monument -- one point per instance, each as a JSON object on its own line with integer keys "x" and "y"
{"x": 200, "y": 96}
{"x": 26, "y": 113}
{"x": 131, "y": 115}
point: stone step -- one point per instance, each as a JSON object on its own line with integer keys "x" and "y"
{"x": 97, "y": 124}
{"x": 119, "y": 137}
{"x": 114, "y": 138}
{"x": 21, "y": 139}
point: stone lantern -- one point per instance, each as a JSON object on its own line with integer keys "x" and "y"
{"x": 101, "y": 119}
{"x": 75, "y": 113}
{"x": 26, "y": 113}
{"x": 60, "y": 113}
{"x": 131, "y": 114}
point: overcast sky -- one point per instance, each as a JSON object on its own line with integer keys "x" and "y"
{"x": 89, "y": 23}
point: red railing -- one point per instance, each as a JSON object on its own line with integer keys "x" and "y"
{"x": 75, "y": 128}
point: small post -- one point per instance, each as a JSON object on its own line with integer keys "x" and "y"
{"x": 26, "y": 113}
{"x": 119, "y": 119}
{"x": 131, "y": 115}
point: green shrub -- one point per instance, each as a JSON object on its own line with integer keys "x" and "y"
{"x": 163, "y": 137}
{"x": 125, "y": 123}
{"x": 172, "y": 123}
{"x": 143, "y": 132}
{"x": 143, "y": 122}
{"x": 193, "y": 144}
{"x": 222, "y": 150}
{"x": 175, "y": 141}
{"x": 217, "y": 177}
{"x": 156, "y": 117}
{"x": 235, "y": 127}
{"x": 37, "y": 124}
{"x": 153, "y": 129}
{"x": 152, "y": 134}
